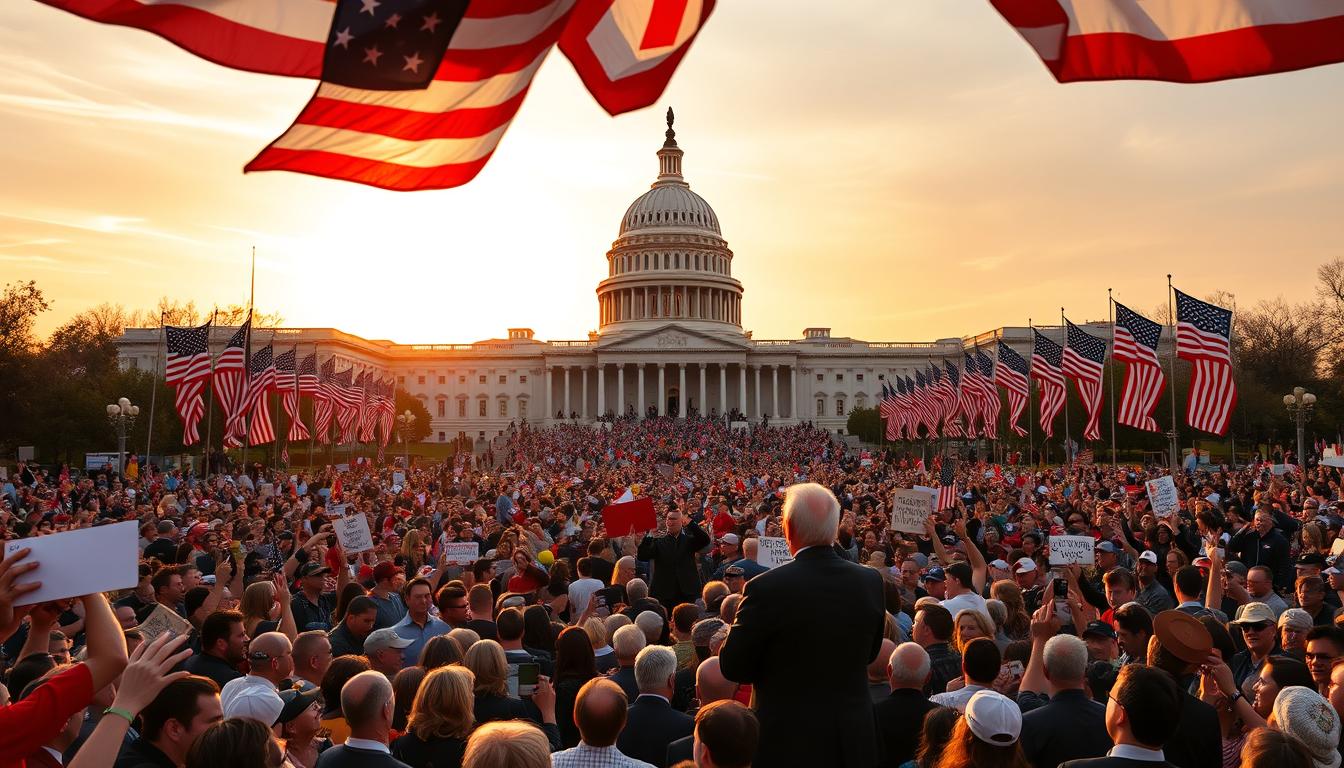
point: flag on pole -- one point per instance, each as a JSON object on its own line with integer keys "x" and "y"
{"x": 261, "y": 385}
{"x": 1012, "y": 374}
{"x": 347, "y": 403}
{"x": 186, "y": 370}
{"x": 230, "y": 383}
{"x": 1084, "y": 359}
{"x": 990, "y": 405}
{"x": 287, "y": 381}
{"x": 1187, "y": 42}
{"x": 1135, "y": 343}
{"x": 953, "y": 380}
{"x": 1046, "y": 361}
{"x": 1204, "y": 337}
{"x": 971, "y": 398}
{"x": 902, "y": 411}
{"x": 324, "y": 400}
{"x": 928, "y": 409}
{"x": 947, "y": 484}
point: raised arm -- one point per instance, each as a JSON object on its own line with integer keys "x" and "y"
{"x": 1044, "y": 625}
{"x": 104, "y": 640}
{"x": 975, "y": 557}
{"x": 287, "y": 625}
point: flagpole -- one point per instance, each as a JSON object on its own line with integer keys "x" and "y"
{"x": 247, "y": 361}
{"x": 154, "y": 388}
{"x": 1110, "y": 305}
{"x": 1031, "y": 420}
{"x": 312, "y": 402}
{"x": 1171, "y": 360}
{"x": 1068, "y": 438}
{"x": 210, "y": 408}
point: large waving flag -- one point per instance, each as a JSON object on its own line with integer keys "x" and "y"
{"x": 1084, "y": 361}
{"x": 1186, "y": 41}
{"x": 187, "y": 370}
{"x": 990, "y": 405}
{"x": 1204, "y": 337}
{"x": 1135, "y": 342}
{"x": 1047, "y": 359}
{"x": 416, "y": 94}
{"x": 230, "y": 385}
{"x": 1012, "y": 374}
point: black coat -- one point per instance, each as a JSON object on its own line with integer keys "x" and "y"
{"x": 900, "y": 720}
{"x": 651, "y": 724}
{"x": 1114, "y": 762}
{"x": 804, "y": 636}
{"x": 675, "y": 578}
{"x": 625, "y": 677}
{"x": 350, "y": 757}
{"x": 435, "y": 753}
{"x": 1198, "y": 740}
{"x": 1070, "y": 727}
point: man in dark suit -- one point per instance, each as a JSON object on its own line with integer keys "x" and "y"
{"x": 819, "y": 602}
{"x": 675, "y": 578}
{"x": 1069, "y": 725}
{"x": 627, "y": 641}
{"x": 651, "y": 723}
{"x": 900, "y": 716}
{"x": 1141, "y": 717}
{"x": 366, "y": 701}
{"x": 710, "y": 686}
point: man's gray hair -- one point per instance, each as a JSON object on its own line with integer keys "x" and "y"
{"x": 628, "y": 641}
{"x": 1065, "y": 658}
{"x": 909, "y": 666}
{"x": 651, "y": 624}
{"x": 811, "y": 515}
{"x": 636, "y": 589}
{"x": 750, "y": 548}
{"x": 653, "y": 666}
{"x": 626, "y": 562}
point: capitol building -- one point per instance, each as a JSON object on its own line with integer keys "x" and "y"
{"x": 670, "y": 342}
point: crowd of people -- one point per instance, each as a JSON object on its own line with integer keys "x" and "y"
{"x": 1201, "y": 638}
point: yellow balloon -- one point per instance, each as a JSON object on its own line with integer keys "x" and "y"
{"x": 546, "y": 558}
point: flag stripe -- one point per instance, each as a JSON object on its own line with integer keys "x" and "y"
{"x": 442, "y": 94}
{"x": 1139, "y": 396}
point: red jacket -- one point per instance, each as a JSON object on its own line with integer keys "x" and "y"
{"x": 28, "y": 724}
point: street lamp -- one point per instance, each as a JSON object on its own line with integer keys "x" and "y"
{"x": 404, "y": 423}
{"x": 121, "y": 415}
{"x": 1300, "y": 404}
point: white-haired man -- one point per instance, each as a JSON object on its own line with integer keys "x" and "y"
{"x": 818, "y": 601}
{"x": 900, "y": 716}
{"x": 627, "y": 642}
{"x": 651, "y": 723}
{"x": 1070, "y": 725}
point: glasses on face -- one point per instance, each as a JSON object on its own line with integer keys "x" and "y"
{"x": 1255, "y": 627}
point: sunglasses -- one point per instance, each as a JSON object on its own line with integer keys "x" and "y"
{"x": 1255, "y": 627}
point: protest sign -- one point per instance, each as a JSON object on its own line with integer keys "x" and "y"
{"x": 1281, "y": 469}
{"x": 342, "y": 467}
{"x": 336, "y": 510}
{"x": 399, "y": 478}
{"x": 99, "y": 559}
{"x": 665, "y": 470}
{"x": 629, "y": 517}
{"x": 1162, "y": 496}
{"x": 161, "y": 620}
{"x": 353, "y": 533}
{"x": 1330, "y": 457}
{"x": 926, "y": 489}
{"x": 773, "y": 551}
{"x": 1068, "y": 550}
{"x": 909, "y": 510}
{"x": 461, "y": 552}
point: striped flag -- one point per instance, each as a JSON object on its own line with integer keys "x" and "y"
{"x": 1186, "y": 42}
{"x": 368, "y": 411}
{"x": 324, "y": 400}
{"x": 287, "y": 381}
{"x": 947, "y": 484}
{"x": 990, "y": 405}
{"x": 416, "y": 94}
{"x": 971, "y": 397}
{"x": 347, "y": 403}
{"x": 186, "y": 370}
{"x": 886, "y": 410}
{"x": 261, "y": 372}
{"x": 902, "y": 410}
{"x": 947, "y": 399}
{"x": 1047, "y": 357}
{"x": 387, "y": 407}
{"x": 1135, "y": 343}
{"x": 1204, "y": 337}
{"x": 953, "y": 378}
{"x": 1084, "y": 359}
{"x": 1012, "y": 374}
{"x": 230, "y": 383}
{"x": 928, "y": 409}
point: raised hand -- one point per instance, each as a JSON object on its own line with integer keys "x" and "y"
{"x": 150, "y": 671}
{"x": 10, "y": 593}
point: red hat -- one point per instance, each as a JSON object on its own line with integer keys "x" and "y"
{"x": 384, "y": 570}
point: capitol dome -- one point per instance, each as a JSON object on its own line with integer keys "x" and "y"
{"x": 670, "y": 262}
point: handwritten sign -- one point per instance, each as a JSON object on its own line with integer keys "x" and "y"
{"x": 1162, "y": 496}
{"x": 353, "y": 533}
{"x": 398, "y": 478}
{"x": 1330, "y": 457}
{"x": 160, "y": 620}
{"x": 1067, "y": 550}
{"x": 100, "y": 559}
{"x": 773, "y": 551}
{"x": 909, "y": 510}
{"x": 461, "y": 552}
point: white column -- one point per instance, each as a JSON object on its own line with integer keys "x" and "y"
{"x": 723, "y": 388}
{"x": 601, "y": 390}
{"x": 701, "y": 402}
{"x": 759, "y": 409}
{"x": 742, "y": 389}
{"x": 681, "y": 391}
{"x": 583, "y": 408}
{"x": 549, "y": 412}
{"x": 662, "y": 392}
{"x": 568, "y": 407}
{"x": 640, "y": 367}
{"x": 774, "y": 385}
{"x": 620, "y": 389}
{"x": 793, "y": 392}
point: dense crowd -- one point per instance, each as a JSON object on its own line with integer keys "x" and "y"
{"x": 1202, "y": 638}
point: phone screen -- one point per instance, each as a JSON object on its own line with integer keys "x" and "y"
{"x": 527, "y": 675}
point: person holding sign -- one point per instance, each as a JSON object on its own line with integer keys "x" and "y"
{"x": 821, "y": 601}
{"x": 675, "y": 578}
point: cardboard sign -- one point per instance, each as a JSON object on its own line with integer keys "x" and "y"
{"x": 76, "y": 563}
{"x": 1162, "y": 496}
{"x": 910, "y": 509}
{"x": 773, "y": 551}
{"x": 353, "y": 533}
{"x": 160, "y": 620}
{"x": 1068, "y": 550}
{"x": 629, "y": 517}
{"x": 399, "y": 478}
{"x": 1280, "y": 469}
{"x": 665, "y": 470}
{"x": 1330, "y": 457}
{"x": 926, "y": 489}
{"x": 461, "y": 552}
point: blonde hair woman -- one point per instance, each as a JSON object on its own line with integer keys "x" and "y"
{"x": 1018, "y": 624}
{"x": 413, "y": 552}
{"x": 441, "y": 719}
{"x": 266, "y": 608}
{"x": 970, "y": 625}
{"x": 515, "y": 744}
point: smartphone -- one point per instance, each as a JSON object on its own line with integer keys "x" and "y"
{"x": 528, "y": 673}
{"x": 1012, "y": 671}
{"x": 609, "y": 596}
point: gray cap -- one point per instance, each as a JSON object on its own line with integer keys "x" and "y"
{"x": 382, "y": 639}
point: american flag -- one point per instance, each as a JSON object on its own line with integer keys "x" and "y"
{"x": 928, "y": 408}
{"x": 416, "y": 94}
{"x": 903, "y": 417}
{"x": 886, "y": 408}
{"x": 990, "y": 405}
{"x": 971, "y": 396}
{"x": 230, "y": 383}
{"x": 947, "y": 398}
{"x": 368, "y": 411}
{"x": 1011, "y": 374}
{"x": 1204, "y": 337}
{"x": 324, "y": 401}
{"x": 1084, "y": 360}
{"x": 1046, "y": 359}
{"x": 187, "y": 370}
{"x": 261, "y": 384}
{"x": 953, "y": 379}
{"x": 347, "y": 403}
{"x": 947, "y": 484}
{"x": 387, "y": 407}
{"x": 1135, "y": 343}
{"x": 287, "y": 381}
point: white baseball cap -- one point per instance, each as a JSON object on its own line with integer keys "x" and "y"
{"x": 251, "y": 697}
{"x": 994, "y": 718}
{"x": 1001, "y": 565}
{"x": 1148, "y": 556}
{"x": 1024, "y": 565}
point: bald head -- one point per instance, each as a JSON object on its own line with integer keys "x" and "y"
{"x": 272, "y": 644}
{"x": 710, "y": 684}
{"x": 366, "y": 701}
{"x": 909, "y": 666}
{"x": 877, "y": 668}
{"x": 811, "y": 516}
{"x": 599, "y": 712}
{"x": 277, "y": 663}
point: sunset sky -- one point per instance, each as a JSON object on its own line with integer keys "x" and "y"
{"x": 898, "y": 171}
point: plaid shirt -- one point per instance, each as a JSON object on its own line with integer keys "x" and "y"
{"x": 585, "y": 756}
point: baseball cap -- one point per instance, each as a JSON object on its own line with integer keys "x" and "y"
{"x": 1183, "y": 636}
{"x": 1024, "y": 565}
{"x": 1237, "y": 567}
{"x": 312, "y": 568}
{"x": 994, "y": 718}
{"x": 385, "y": 570}
{"x": 251, "y": 697}
{"x": 1002, "y": 565}
{"x": 382, "y": 639}
{"x": 934, "y": 574}
{"x": 1100, "y": 629}
{"x": 734, "y": 571}
{"x": 1254, "y": 613}
{"x": 297, "y": 700}
{"x": 730, "y": 538}
{"x": 1107, "y": 547}
{"x": 1148, "y": 556}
